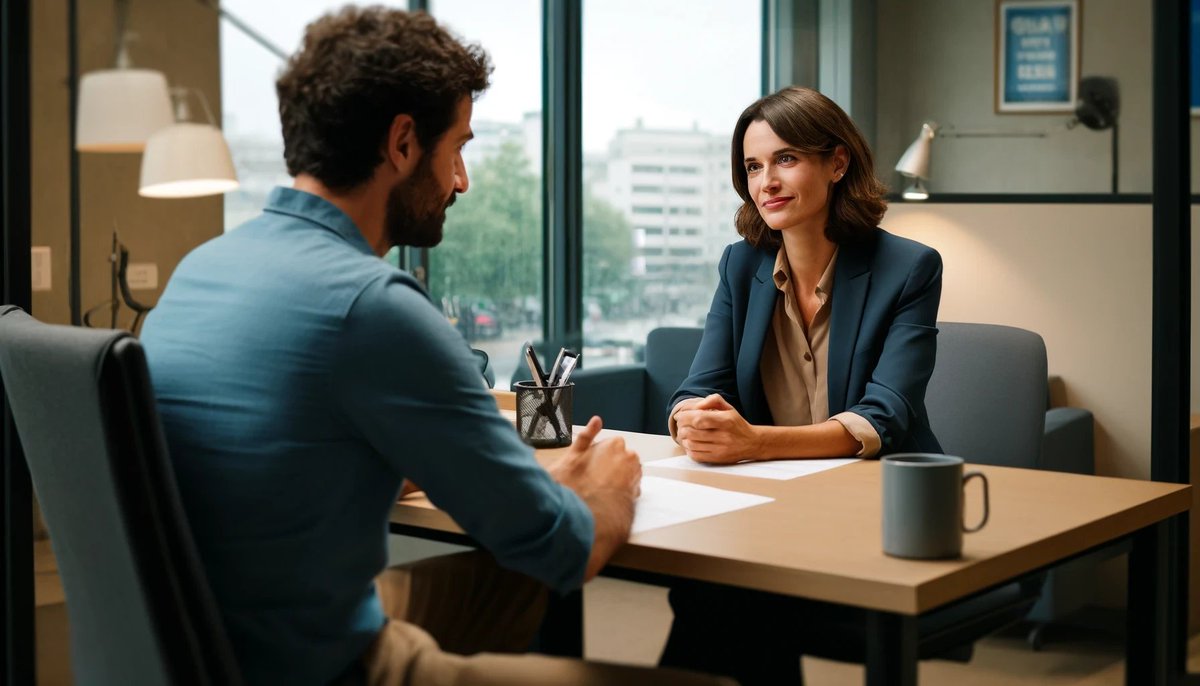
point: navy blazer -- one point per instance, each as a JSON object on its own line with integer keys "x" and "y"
{"x": 882, "y": 336}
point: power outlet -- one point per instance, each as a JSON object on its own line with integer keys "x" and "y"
{"x": 40, "y": 267}
{"x": 142, "y": 276}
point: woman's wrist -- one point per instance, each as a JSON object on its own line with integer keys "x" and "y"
{"x": 763, "y": 445}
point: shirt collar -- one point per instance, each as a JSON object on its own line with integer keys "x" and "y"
{"x": 316, "y": 210}
{"x": 783, "y": 273}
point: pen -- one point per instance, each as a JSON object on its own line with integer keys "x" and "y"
{"x": 568, "y": 365}
{"x": 554, "y": 370}
{"x": 539, "y": 377}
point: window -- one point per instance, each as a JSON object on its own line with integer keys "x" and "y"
{"x": 659, "y": 116}
{"x": 487, "y": 273}
{"x": 655, "y": 154}
{"x": 250, "y": 112}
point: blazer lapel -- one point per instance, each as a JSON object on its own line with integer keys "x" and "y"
{"x": 759, "y": 309}
{"x": 852, "y": 277}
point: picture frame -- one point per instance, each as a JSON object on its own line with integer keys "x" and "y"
{"x": 1037, "y": 55}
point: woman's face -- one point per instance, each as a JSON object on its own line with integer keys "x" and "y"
{"x": 790, "y": 189}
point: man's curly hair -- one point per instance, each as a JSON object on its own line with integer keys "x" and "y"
{"x": 357, "y": 69}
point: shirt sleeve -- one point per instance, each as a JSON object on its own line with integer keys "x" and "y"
{"x": 409, "y": 385}
{"x": 862, "y": 431}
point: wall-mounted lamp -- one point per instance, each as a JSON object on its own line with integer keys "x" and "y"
{"x": 186, "y": 159}
{"x": 1097, "y": 109}
{"x": 914, "y": 163}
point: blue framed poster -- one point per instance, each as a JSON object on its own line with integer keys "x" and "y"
{"x": 1037, "y": 55}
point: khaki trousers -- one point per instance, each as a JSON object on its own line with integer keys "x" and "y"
{"x": 452, "y": 618}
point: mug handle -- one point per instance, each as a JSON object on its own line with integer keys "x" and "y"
{"x": 967, "y": 477}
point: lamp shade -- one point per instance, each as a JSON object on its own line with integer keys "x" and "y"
{"x": 120, "y": 108}
{"x": 915, "y": 161}
{"x": 187, "y": 160}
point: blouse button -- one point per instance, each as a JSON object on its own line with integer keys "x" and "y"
{"x": 807, "y": 357}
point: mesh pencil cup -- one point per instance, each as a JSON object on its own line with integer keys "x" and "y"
{"x": 544, "y": 414}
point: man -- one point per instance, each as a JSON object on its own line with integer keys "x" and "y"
{"x": 301, "y": 380}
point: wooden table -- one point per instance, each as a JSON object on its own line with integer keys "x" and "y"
{"x": 821, "y": 539}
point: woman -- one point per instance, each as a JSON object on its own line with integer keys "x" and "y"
{"x": 821, "y": 338}
{"x": 819, "y": 343}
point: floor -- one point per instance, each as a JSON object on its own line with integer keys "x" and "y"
{"x": 628, "y": 623}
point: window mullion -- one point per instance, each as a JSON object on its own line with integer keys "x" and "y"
{"x": 562, "y": 217}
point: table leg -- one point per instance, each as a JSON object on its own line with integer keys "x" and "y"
{"x": 562, "y": 629}
{"x": 1148, "y": 630}
{"x": 891, "y": 649}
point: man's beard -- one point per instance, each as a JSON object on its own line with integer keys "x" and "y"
{"x": 416, "y": 210}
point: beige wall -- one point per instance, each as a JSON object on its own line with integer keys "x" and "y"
{"x": 1081, "y": 276}
{"x": 177, "y": 37}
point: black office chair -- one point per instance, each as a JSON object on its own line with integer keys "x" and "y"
{"x": 138, "y": 602}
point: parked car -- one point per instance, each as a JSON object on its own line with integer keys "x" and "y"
{"x": 475, "y": 318}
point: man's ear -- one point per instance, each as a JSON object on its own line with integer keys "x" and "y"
{"x": 402, "y": 149}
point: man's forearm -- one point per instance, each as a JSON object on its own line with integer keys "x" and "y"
{"x": 612, "y": 512}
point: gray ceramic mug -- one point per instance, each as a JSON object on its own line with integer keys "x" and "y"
{"x": 923, "y": 505}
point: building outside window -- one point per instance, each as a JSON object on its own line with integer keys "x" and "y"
{"x": 656, "y": 127}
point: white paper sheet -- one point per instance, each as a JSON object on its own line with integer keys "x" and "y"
{"x": 781, "y": 470}
{"x": 667, "y": 501}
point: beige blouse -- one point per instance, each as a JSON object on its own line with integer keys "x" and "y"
{"x": 794, "y": 364}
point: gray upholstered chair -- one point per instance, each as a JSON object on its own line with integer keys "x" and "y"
{"x": 138, "y": 602}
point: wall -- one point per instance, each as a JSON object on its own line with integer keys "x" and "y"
{"x": 178, "y": 37}
{"x": 1081, "y": 276}
{"x": 936, "y": 61}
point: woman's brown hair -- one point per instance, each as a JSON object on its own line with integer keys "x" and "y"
{"x": 814, "y": 125}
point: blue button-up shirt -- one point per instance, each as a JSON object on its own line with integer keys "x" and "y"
{"x": 300, "y": 379}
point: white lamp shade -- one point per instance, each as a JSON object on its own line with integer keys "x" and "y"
{"x": 185, "y": 161}
{"x": 120, "y": 108}
{"x": 915, "y": 161}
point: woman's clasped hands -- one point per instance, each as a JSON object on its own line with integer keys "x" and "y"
{"x": 714, "y": 432}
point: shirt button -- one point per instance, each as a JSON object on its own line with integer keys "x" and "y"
{"x": 807, "y": 357}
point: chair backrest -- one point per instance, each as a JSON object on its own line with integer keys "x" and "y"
{"x": 138, "y": 602}
{"x": 987, "y": 396}
{"x": 669, "y": 354}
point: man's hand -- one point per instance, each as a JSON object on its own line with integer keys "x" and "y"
{"x": 607, "y": 476}
{"x": 712, "y": 431}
